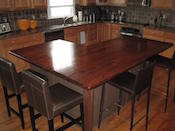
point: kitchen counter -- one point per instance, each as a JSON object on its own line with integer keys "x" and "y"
{"x": 59, "y": 27}
{"x": 41, "y": 29}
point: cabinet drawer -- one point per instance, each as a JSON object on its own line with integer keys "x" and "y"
{"x": 169, "y": 37}
{"x": 115, "y": 27}
{"x": 92, "y": 27}
{"x": 152, "y": 32}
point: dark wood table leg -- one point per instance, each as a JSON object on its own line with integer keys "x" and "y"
{"x": 88, "y": 109}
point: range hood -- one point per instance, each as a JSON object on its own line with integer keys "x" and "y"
{"x": 146, "y": 3}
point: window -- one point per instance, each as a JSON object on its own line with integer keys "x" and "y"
{"x": 60, "y": 8}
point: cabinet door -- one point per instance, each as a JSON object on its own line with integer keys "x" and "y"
{"x": 5, "y": 4}
{"x": 39, "y": 3}
{"x": 22, "y": 4}
{"x": 163, "y": 4}
{"x": 117, "y": 2}
{"x": 11, "y": 44}
{"x": 169, "y": 37}
{"x": 71, "y": 37}
{"x": 92, "y": 34}
{"x": 153, "y": 34}
{"x": 100, "y": 32}
{"x": 17, "y": 43}
{"x": 115, "y": 31}
{"x": 107, "y": 31}
{"x": 87, "y": 2}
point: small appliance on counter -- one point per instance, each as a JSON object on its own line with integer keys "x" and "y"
{"x": 4, "y": 28}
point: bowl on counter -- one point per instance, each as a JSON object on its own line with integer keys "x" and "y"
{"x": 23, "y": 24}
{"x": 33, "y": 24}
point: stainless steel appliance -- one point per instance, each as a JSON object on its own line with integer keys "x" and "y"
{"x": 129, "y": 31}
{"x": 54, "y": 35}
{"x": 4, "y": 28}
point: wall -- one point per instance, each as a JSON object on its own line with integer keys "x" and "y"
{"x": 135, "y": 14}
{"x": 142, "y": 15}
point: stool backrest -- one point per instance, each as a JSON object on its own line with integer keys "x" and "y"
{"x": 173, "y": 59}
{"x": 9, "y": 76}
{"x": 144, "y": 77}
{"x": 38, "y": 94}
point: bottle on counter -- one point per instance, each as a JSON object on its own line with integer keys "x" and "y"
{"x": 80, "y": 16}
{"x": 93, "y": 17}
{"x": 112, "y": 16}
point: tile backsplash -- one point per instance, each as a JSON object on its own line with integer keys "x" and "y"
{"x": 134, "y": 14}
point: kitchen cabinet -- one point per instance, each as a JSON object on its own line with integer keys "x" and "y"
{"x": 100, "y": 32}
{"x": 12, "y": 5}
{"x": 115, "y": 29}
{"x": 163, "y": 4}
{"x": 92, "y": 34}
{"x": 117, "y": 2}
{"x": 84, "y": 34}
{"x": 17, "y": 43}
{"x": 107, "y": 31}
{"x": 5, "y": 5}
{"x": 22, "y": 4}
{"x": 163, "y": 36}
{"x": 39, "y": 3}
{"x": 87, "y": 2}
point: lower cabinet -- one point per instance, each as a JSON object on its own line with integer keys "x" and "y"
{"x": 91, "y": 33}
{"x": 162, "y": 36}
{"x": 18, "y": 42}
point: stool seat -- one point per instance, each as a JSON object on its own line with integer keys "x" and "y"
{"x": 51, "y": 101}
{"x": 63, "y": 98}
{"x": 125, "y": 81}
{"x": 168, "y": 64}
{"x": 163, "y": 61}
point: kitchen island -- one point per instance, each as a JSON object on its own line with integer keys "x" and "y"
{"x": 90, "y": 66}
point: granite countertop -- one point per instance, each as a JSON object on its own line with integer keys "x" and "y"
{"x": 59, "y": 27}
{"x": 41, "y": 29}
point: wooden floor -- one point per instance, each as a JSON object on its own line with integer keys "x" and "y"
{"x": 158, "y": 120}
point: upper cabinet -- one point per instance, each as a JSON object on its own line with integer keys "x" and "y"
{"x": 118, "y": 2}
{"x": 87, "y": 2}
{"x": 5, "y": 5}
{"x": 39, "y": 3}
{"x": 163, "y": 4}
{"x": 112, "y": 2}
{"x": 22, "y": 4}
{"x": 12, "y": 5}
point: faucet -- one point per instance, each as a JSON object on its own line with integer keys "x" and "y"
{"x": 66, "y": 19}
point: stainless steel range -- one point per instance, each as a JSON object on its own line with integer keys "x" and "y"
{"x": 130, "y": 31}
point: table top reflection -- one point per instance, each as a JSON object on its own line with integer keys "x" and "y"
{"x": 90, "y": 66}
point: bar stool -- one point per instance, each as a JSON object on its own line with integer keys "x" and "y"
{"x": 12, "y": 80}
{"x": 167, "y": 64}
{"x": 133, "y": 85}
{"x": 51, "y": 101}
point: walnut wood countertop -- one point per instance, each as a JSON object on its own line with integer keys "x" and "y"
{"x": 90, "y": 66}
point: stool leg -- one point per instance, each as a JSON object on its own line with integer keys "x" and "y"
{"x": 32, "y": 118}
{"x": 119, "y": 102}
{"x": 82, "y": 115}
{"x": 51, "y": 125}
{"x": 7, "y": 101}
{"x": 20, "y": 110}
{"x": 147, "y": 108}
{"x": 132, "y": 111}
{"x": 174, "y": 94}
{"x": 167, "y": 90}
{"x": 62, "y": 118}
{"x": 101, "y": 105}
